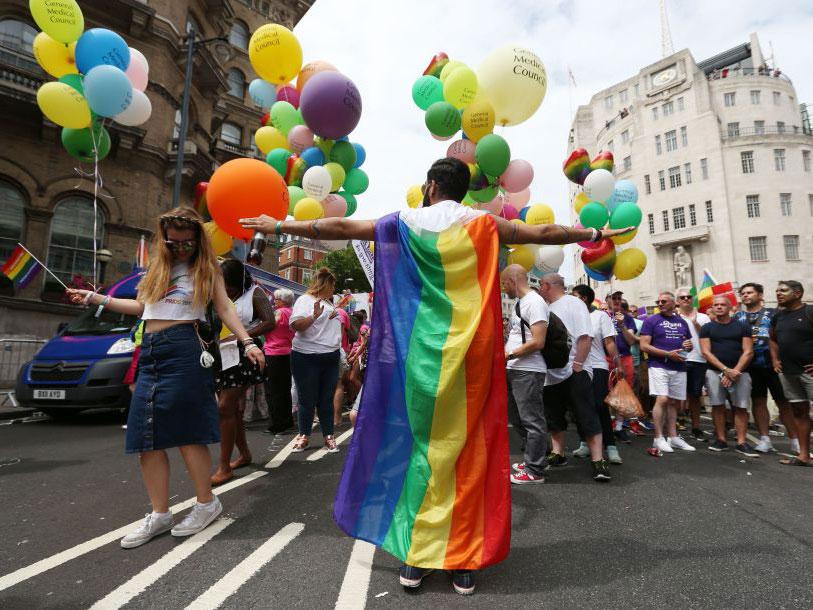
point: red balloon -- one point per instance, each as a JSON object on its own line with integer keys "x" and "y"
{"x": 266, "y": 120}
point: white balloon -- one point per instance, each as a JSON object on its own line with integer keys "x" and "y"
{"x": 599, "y": 185}
{"x": 549, "y": 259}
{"x": 137, "y": 55}
{"x": 137, "y": 112}
{"x": 317, "y": 182}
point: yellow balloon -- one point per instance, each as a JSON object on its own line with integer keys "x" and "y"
{"x": 522, "y": 255}
{"x": 63, "y": 105}
{"x": 55, "y": 57}
{"x": 478, "y": 120}
{"x": 62, "y": 20}
{"x": 623, "y": 239}
{"x": 308, "y": 209}
{"x": 221, "y": 241}
{"x": 268, "y": 138}
{"x": 629, "y": 264}
{"x": 337, "y": 175}
{"x": 460, "y": 88}
{"x": 515, "y": 81}
{"x": 414, "y": 196}
{"x": 450, "y": 67}
{"x": 275, "y": 53}
{"x": 540, "y": 214}
{"x": 580, "y": 201}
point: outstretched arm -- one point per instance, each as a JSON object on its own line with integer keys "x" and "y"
{"x": 324, "y": 228}
{"x": 520, "y": 233}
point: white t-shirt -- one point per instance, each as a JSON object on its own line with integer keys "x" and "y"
{"x": 603, "y": 327}
{"x": 321, "y": 337}
{"x": 696, "y": 355}
{"x": 439, "y": 216}
{"x": 533, "y": 309}
{"x": 574, "y": 315}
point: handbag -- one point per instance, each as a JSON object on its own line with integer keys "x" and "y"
{"x": 622, "y": 399}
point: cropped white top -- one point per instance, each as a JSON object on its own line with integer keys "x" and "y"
{"x": 177, "y": 302}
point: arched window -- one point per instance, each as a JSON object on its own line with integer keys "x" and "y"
{"x": 17, "y": 36}
{"x": 238, "y": 36}
{"x": 237, "y": 83}
{"x": 70, "y": 251}
{"x": 231, "y": 134}
{"x": 12, "y": 218}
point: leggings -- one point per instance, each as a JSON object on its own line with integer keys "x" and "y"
{"x": 316, "y": 376}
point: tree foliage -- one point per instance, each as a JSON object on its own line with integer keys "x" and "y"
{"x": 345, "y": 265}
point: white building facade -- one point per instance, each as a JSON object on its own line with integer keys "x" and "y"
{"x": 721, "y": 154}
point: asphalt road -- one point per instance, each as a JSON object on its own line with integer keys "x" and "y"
{"x": 687, "y": 530}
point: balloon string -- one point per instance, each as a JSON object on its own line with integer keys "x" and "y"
{"x": 95, "y": 197}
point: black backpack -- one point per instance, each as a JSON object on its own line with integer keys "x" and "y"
{"x": 557, "y": 342}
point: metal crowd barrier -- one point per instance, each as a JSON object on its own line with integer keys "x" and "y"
{"x": 13, "y": 354}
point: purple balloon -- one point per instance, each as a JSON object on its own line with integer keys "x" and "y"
{"x": 330, "y": 105}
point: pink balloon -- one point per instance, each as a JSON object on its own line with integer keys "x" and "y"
{"x": 138, "y": 70}
{"x": 494, "y": 206}
{"x": 441, "y": 138}
{"x": 335, "y": 206}
{"x": 519, "y": 199}
{"x": 509, "y": 212}
{"x": 289, "y": 94}
{"x": 587, "y": 245}
{"x": 463, "y": 150}
{"x": 300, "y": 138}
{"x": 518, "y": 176}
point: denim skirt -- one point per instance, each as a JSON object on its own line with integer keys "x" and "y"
{"x": 174, "y": 400}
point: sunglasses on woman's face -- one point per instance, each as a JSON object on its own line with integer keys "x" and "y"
{"x": 184, "y": 245}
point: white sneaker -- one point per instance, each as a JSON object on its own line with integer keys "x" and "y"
{"x": 660, "y": 443}
{"x": 582, "y": 452}
{"x": 678, "y": 443}
{"x": 613, "y": 456}
{"x": 154, "y": 524}
{"x": 764, "y": 446}
{"x": 197, "y": 520}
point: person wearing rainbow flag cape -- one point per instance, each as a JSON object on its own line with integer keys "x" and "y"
{"x": 427, "y": 473}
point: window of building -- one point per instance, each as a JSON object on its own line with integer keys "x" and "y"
{"x": 791, "y": 243}
{"x": 755, "y": 94}
{"x": 662, "y": 180}
{"x": 238, "y": 35}
{"x": 622, "y": 96}
{"x": 779, "y": 159}
{"x": 654, "y": 113}
{"x": 637, "y": 89}
{"x": 674, "y": 177}
{"x": 647, "y": 184}
{"x": 658, "y": 145}
{"x": 680, "y": 104}
{"x": 785, "y": 203}
{"x": 625, "y": 136}
{"x": 709, "y": 212}
{"x": 687, "y": 169}
{"x": 729, "y": 99}
{"x": 650, "y": 218}
{"x": 679, "y": 218}
{"x": 806, "y": 160}
{"x": 780, "y": 127}
{"x": 307, "y": 254}
{"x": 704, "y": 168}
{"x": 759, "y": 127}
{"x": 747, "y": 160}
{"x": 684, "y": 136}
{"x": 777, "y": 98}
{"x": 608, "y": 102}
{"x": 12, "y": 219}
{"x": 692, "y": 214}
{"x": 668, "y": 108}
{"x": 17, "y": 36}
{"x": 752, "y": 206}
{"x": 307, "y": 275}
{"x": 627, "y": 163}
{"x": 671, "y": 140}
{"x": 610, "y": 145}
{"x": 237, "y": 83}
{"x": 665, "y": 217}
{"x": 231, "y": 134}
{"x": 759, "y": 249}
{"x": 70, "y": 251}
{"x": 733, "y": 130}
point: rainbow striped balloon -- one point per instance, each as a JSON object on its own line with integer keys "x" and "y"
{"x": 426, "y": 477}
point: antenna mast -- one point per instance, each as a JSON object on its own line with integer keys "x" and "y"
{"x": 666, "y": 36}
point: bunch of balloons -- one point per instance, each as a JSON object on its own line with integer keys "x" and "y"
{"x": 605, "y": 202}
{"x": 98, "y": 76}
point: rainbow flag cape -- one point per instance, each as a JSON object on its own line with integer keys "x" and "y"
{"x": 426, "y": 476}
{"x": 20, "y": 267}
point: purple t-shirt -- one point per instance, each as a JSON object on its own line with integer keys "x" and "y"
{"x": 620, "y": 341}
{"x": 668, "y": 333}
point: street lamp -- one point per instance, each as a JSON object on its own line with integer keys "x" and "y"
{"x": 104, "y": 256}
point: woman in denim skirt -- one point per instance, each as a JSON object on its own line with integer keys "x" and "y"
{"x": 174, "y": 400}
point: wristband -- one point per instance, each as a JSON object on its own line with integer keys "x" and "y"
{"x": 247, "y": 340}
{"x": 594, "y": 235}
{"x": 251, "y": 345}
{"x": 512, "y": 357}
{"x": 102, "y": 305}
{"x": 278, "y": 228}
{"x": 599, "y": 235}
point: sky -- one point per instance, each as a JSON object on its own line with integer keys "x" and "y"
{"x": 384, "y": 46}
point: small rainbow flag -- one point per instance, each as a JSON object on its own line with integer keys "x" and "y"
{"x": 426, "y": 476}
{"x": 142, "y": 255}
{"x": 706, "y": 296}
{"x": 20, "y": 267}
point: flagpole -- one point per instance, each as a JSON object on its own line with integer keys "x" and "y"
{"x": 44, "y": 267}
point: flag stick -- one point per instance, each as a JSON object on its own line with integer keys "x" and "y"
{"x": 44, "y": 267}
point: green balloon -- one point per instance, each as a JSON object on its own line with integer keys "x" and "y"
{"x": 284, "y": 116}
{"x": 74, "y": 80}
{"x": 79, "y": 142}
{"x": 484, "y": 195}
{"x": 278, "y": 159}
{"x": 295, "y": 194}
{"x": 352, "y": 204}
{"x": 426, "y": 91}
{"x": 626, "y": 214}
{"x": 343, "y": 153}
{"x": 593, "y": 215}
{"x": 442, "y": 119}
{"x": 356, "y": 181}
{"x": 468, "y": 200}
{"x": 492, "y": 154}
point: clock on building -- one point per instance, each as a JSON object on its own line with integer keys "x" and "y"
{"x": 664, "y": 77}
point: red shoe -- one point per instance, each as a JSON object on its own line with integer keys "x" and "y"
{"x": 518, "y": 466}
{"x": 636, "y": 427}
{"x": 525, "y": 478}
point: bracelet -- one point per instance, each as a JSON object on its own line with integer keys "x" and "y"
{"x": 251, "y": 345}
{"x": 102, "y": 305}
{"x": 579, "y": 363}
{"x": 247, "y": 340}
{"x": 278, "y": 228}
{"x": 593, "y": 235}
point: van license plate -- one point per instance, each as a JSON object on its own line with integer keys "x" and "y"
{"x": 49, "y": 394}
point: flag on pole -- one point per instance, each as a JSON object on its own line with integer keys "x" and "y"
{"x": 142, "y": 254}
{"x": 21, "y": 267}
{"x": 705, "y": 289}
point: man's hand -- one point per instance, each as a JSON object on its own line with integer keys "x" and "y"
{"x": 675, "y": 356}
{"x": 263, "y": 223}
{"x": 777, "y": 366}
{"x": 732, "y": 374}
{"x": 613, "y": 232}
{"x": 726, "y": 382}
{"x": 687, "y": 345}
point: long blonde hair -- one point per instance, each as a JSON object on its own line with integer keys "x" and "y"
{"x": 320, "y": 281}
{"x": 203, "y": 265}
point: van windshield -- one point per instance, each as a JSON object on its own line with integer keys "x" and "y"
{"x": 109, "y": 323}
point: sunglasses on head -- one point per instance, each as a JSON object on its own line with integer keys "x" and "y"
{"x": 184, "y": 245}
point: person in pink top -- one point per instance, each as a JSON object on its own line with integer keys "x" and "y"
{"x": 344, "y": 367}
{"x": 278, "y": 364}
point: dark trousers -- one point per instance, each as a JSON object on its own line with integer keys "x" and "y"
{"x": 601, "y": 387}
{"x": 278, "y": 392}
{"x": 527, "y": 416}
{"x": 316, "y": 376}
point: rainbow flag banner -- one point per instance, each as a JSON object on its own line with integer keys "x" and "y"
{"x": 426, "y": 476}
{"x": 20, "y": 267}
{"x": 706, "y": 296}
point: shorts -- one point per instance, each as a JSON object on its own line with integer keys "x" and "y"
{"x": 665, "y": 382}
{"x": 739, "y": 394}
{"x": 762, "y": 380}
{"x": 798, "y": 388}
{"x": 574, "y": 394}
{"x": 695, "y": 378}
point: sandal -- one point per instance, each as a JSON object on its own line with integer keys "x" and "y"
{"x": 300, "y": 444}
{"x": 795, "y": 462}
{"x": 330, "y": 444}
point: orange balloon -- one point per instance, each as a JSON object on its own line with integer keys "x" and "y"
{"x": 312, "y": 68}
{"x": 245, "y": 188}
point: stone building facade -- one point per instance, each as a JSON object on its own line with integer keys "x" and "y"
{"x": 46, "y": 196}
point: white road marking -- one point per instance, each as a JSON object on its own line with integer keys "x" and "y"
{"x": 243, "y": 571}
{"x": 320, "y": 453}
{"x": 283, "y": 454}
{"x": 356, "y": 583}
{"x": 141, "y": 581}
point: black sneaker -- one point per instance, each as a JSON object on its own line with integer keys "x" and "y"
{"x": 554, "y": 459}
{"x": 718, "y": 445}
{"x": 746, "y": 449}
{"x": 699, "y": 435}
{"x": 463, "y": 581}
{"x": 623, "y": 436}
{"x": 411, "y": 577}
{"x": 601, "y": 472}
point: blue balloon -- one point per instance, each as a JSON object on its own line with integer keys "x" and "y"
{"x": 595, "y": 275}
{"x": 98, "y": 47}
{"x": 625, "y": 190}
{"x": 523, "y": 213}
{"x": 343, "y": 139}
{"x": 262, "y": 93}
{"x": 108, "y": 91}
{"x": 313, "y": 156}
{"x": 361, "y": 154}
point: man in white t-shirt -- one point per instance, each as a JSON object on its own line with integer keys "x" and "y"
{"x": 570, "y": 388}
{"x": 526, "y": 372}
{"x": 696, "y": 365}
